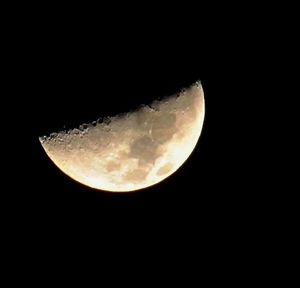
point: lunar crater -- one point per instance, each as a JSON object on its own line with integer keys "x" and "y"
{"x": 164, "y": 169}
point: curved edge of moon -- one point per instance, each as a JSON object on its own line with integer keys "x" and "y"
{"x": 135, "y": 150}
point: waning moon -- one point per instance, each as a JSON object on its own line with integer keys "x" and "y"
{"x": 134, "y": 150}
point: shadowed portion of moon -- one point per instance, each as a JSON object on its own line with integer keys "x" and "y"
{"x": 134, "y": 150}
{"x": 144, "y": 148}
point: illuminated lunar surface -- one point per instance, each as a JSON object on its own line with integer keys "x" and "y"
{"x": 134, "y": 150}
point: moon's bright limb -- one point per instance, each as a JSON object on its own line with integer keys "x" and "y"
{"x": 131, "y": 151}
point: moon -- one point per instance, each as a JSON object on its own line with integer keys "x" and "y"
{"x": 134, "y": 150}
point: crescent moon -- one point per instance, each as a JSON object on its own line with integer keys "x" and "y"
{"x": 134, "y": 150}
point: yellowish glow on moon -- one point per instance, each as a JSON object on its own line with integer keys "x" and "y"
{"x": 134, "y": 150}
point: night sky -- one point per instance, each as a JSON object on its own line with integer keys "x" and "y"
{"x": 70, "y": 67}
{"x": 74, "y": 76}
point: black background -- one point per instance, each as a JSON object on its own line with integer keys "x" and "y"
{"x": 70, "y": 66}
{"x": 74, "y": 71}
